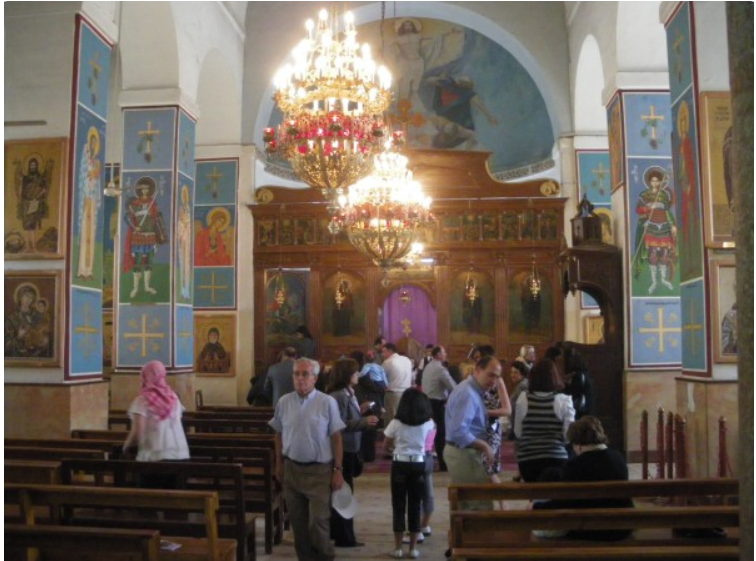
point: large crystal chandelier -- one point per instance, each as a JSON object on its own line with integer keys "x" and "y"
{"x": 383, "y": 212}
{"x": 333, "y": 97}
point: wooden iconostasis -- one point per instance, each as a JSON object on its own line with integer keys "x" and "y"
{"x": 485, "y": 233}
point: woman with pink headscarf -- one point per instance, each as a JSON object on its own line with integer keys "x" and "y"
{"x": 156, "y": 419}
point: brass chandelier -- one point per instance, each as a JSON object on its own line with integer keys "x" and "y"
{"x": 383, "y": 212}
{"x": 333, "y": 97}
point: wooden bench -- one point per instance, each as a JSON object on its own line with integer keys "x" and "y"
{"x": 50, "y": 454}
{"x": 205, "y": 424}
{"x": 69, "y": 505}
{"x": 226, "y": 479}
{"x": 103, "y": 445}
{"x": 507, "y": 534}
{"x": 262, "y": 493}
{"x": 32, "y": 471}
{"x": 66, "y": 543}
{"x": 232, "y": 408}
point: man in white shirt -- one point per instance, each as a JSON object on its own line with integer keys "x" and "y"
{"x": 437, "y": 385}
{"x": 398, "y": 370}
{"x": 309, "y": 455}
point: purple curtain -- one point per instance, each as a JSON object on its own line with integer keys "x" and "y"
{"x": 419, "y": 311}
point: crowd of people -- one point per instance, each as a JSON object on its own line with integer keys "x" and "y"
{"x": 327, "y": 419}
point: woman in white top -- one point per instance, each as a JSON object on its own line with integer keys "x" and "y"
{"x": 405, "y": 438}
{"x": 156, "y": 419}
{"x": 542, "y": 417}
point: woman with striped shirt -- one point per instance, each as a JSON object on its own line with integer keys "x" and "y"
{"x": 542, "y": 417}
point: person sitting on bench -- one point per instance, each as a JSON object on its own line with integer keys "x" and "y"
{"x": 593, "y": 461}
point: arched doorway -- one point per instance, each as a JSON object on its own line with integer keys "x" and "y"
{"x": 409, "y": 320}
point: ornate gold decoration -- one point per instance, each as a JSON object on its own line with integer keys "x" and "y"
{"x": 332, "y": 97}
{"x": 549, "y": 189}
{"x": 264, "y": 196}
{"x": 382, "y": 213}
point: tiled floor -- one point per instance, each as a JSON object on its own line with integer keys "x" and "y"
{"x": 373, "y": 522}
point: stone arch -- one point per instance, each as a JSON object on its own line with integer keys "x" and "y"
{"x": 640, "y": 19}
{"x": 148, "y": 46}
{"x": 218, "y": 101}
{"x": 588, "y": 108}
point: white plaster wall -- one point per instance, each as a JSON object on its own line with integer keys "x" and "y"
{"x": 641, "y": 38}
{"x": 219, "y": 102}
{"x": 599, "y": 20}
{"x": 533, "y": 32}
{"x": 202, "y": 27}
{"x": 589, "y": 111}
{"x": 711, "y": 46}
{"x": 38, "y": 81}
{"x": 148, "y": 46}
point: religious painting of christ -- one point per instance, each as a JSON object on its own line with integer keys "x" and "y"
{"x": 530, "y": 314}
{"x": 34, "y": 198}
{"x": 344, "y": 309}
{"x": 286, "y": 302}
{"x": 471, "y": 308}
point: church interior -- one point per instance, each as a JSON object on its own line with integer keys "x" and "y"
{"x": 574, "y": 172}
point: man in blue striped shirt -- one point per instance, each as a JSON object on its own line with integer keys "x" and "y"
{"x": 466, "y": 421}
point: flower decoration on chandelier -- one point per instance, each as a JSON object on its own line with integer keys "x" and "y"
{"x": 333, "y": 97}
{"x": 383, "y": 212}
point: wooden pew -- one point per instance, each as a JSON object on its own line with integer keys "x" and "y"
{"x": 65, "y": 543}
{"x": 230, "y": 408}
{"x": 32, "y": 471}
{"x": 253, "y": 440}
{"x": 50, "y": 454}
{"x": 105, "y": 445}
{"x": 508, "y": 534}
{"x": 215, "y": 412}
{"x": 227, "y": 479}
{"x": 205, "y": 424}
{"x": 69, "y": 505}
{"x": 262, "y": 493}
{"x": 97, "y": 434}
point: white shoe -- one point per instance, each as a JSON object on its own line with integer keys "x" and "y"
{"x": 414, "y": 554}
{"x": 427, "y": 531}
{"x": 397, "y": 554}
{"x": 420, "y": 538}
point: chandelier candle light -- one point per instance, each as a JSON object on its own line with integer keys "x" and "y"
{"x": 383, "y": 212}
{"x": 332, "y": 97}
